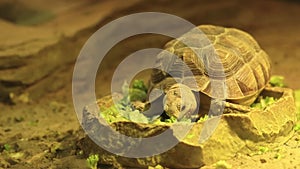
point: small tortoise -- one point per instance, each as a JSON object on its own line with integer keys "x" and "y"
{"x": 245, "y": 69}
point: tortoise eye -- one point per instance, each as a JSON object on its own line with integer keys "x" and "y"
{"x": 182, "y": 108}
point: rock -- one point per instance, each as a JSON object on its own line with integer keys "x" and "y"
{"x": 237, "y": 132}
{"x": 31, "y": 50}
{"x": 39, "y": 40}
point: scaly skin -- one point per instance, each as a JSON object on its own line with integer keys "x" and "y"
{"x": 180, "y": 102}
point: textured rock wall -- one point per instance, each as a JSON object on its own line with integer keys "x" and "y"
{"x": 39, "y": 41}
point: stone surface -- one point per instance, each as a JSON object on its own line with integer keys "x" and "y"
{"x": 25, "y": 43}
{"x": 39, "y": 40}
{"x": 238, "y": 131}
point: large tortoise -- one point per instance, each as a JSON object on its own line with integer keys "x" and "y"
{"x": 245, "y": 69}
{"x": 245, "y": 128}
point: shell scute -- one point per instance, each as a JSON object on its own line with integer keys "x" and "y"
{"x": 223, "y": 54}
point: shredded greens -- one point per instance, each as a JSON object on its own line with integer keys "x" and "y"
{"x": 125, "y": 111}
{"x": 92, "y": 161}
{"x": 263, "y": 102}
{"x": 203, "y": 119}
{"x": 120, "y": 112}
{"x": 277, "y": 81}
{"x": 139, "y": 84}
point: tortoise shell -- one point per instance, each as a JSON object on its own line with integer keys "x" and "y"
{"x": 246, "y": 67}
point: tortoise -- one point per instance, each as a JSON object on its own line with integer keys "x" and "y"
{"x": 245, "y": 70}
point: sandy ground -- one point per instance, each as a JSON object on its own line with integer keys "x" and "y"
{"x": 44, "y": 133}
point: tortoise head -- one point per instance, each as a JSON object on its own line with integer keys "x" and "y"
{"x": 180, "y": 102}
